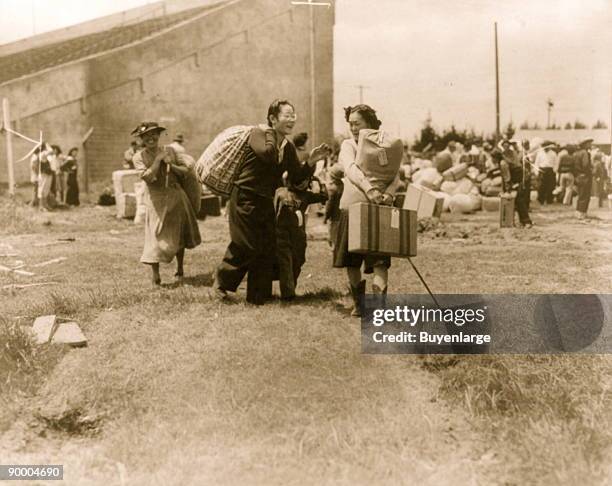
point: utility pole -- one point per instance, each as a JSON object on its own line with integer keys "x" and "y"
{"x": 549, "y": 106}
{"x": 361, "y": 87}
{"x": 497, "y": 130}
{"x": 313, "y": 86}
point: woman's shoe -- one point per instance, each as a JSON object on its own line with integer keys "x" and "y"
{"x": 357, "y": 294}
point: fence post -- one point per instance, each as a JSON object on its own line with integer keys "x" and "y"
{"x": 9, "y": 146}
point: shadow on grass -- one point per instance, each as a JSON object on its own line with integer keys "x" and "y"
{"x": 202, "y": 280}
{"x": 325, "y": 296}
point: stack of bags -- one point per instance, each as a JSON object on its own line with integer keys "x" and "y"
{"x": 124, "y": 182}
{"x": 451, "y": 183}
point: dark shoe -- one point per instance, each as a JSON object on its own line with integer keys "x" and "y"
{"x": 357, "y": 294}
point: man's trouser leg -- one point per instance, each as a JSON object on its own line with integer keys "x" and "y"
{"x": 584, "y": 194}
{"x": 259, "y": 280}
{"x": 521, "y": 204}
{"x": 242, "y": 249}
{"x": 567, "y": 184}
{"x": 549, "y": 179}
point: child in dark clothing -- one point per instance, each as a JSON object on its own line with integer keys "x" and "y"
{"x": 290, "y": 204}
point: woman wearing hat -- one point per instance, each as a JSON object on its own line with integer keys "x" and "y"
{"x": 170, "y": 222}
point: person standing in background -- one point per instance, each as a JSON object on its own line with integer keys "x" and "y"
{"x": 70, "y": 168}
{"x": 55, "y": 161}
{"x": 515, "y": 176}
{"x": 600, "y": 178}
{"x": 584, "y": 176}
{"x": 34, "y": 175}
{"x": 545, "y": 162}
{"x": 45, "y": 178}
{"x": 178, "y": 144}
{"x": 128, "y": 155}
{"x": 565, "y": 173}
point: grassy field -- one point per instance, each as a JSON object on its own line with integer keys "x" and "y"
{"x": 177, "y": 389}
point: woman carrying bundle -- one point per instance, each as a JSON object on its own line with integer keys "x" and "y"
{"x": 252, "y": 250}
{"x": 358, "y": 187}
{"x": 170, "y": 221}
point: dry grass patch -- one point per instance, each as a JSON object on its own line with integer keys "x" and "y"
{"x": 548, "y": 418}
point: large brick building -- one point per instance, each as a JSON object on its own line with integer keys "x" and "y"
{"x": 197, "y": 66}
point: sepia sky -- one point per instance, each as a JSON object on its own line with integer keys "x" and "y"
{"x": 420, "y": 56}
{"x": 438, "y": 55}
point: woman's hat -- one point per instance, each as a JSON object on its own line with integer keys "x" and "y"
{"x": 584, "y": 141}
{"x": 147, "y": 127}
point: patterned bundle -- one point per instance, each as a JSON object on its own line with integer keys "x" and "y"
{"x": 218, "y": 166}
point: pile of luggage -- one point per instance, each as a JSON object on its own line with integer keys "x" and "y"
{"x": 439, "y": 186}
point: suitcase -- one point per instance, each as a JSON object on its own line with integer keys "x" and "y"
{"x": 126, "y": 205}
{"x": 506, "y": 211}
{"x": 210, "y": 206}
{"x": 382, "y": 230}
{"x": 490, "y": 204}
{"x": 427, "y": 203}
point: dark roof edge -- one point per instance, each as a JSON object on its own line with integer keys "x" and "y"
{"x": 87, "y": 27}
{"x": 214, "y": 9}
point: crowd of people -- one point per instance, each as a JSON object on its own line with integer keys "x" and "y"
{"x": 54, "y": 177}
{"x": 558, "y": 173}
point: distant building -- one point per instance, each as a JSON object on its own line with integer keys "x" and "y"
{"x": 196, "y": 66}
{"x": 601, "y": 136}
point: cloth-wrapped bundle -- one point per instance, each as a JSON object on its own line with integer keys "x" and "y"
{"x": 379, "y": 155}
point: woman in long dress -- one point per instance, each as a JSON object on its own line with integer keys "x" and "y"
{"x": 358, "y": 188}
{"x": 170, "y": 222}
{"x": 70, "y": 168}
